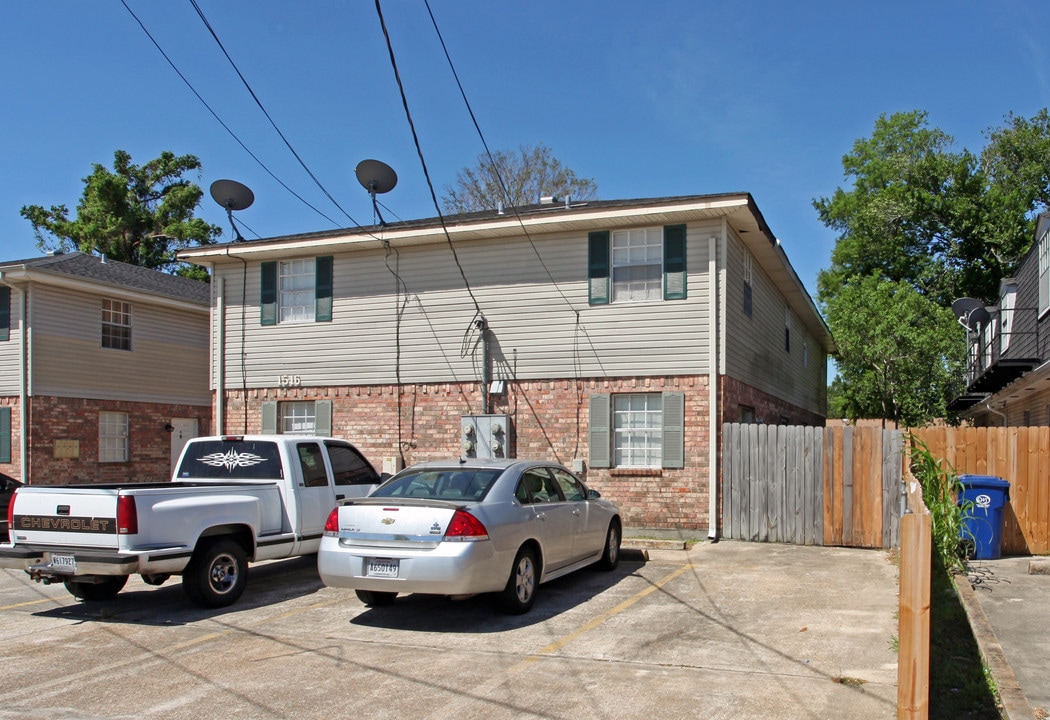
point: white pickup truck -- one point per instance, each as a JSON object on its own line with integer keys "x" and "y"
{"x": 232, "y": 499}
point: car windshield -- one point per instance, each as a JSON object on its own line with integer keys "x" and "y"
{"x": 446, "y": 484}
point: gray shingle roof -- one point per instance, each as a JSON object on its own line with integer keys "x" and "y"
{"x": 117, "y": 274}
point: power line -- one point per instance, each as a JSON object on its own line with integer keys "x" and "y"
{"x": 422, "y": 160}
{"x": 217, "y": 118}
{"x": 267, "y": 114}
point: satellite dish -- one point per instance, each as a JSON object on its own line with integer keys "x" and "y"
{"x": 376, "y": 176}
{"x": 232, "y": 195}
{"x": 962, "y": 307}
{"x": 978, "y": 316}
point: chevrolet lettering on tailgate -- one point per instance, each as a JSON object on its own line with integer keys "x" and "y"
{"x": 66, "y": 524}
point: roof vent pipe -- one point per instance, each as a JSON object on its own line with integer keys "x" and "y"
{"x": 568, "y": 201}
{"x": 499, "y": 208}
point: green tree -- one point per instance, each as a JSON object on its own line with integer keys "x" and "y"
{"x": 514, "y": 179}
{"x": 140, "y": 215}
{"x": 946, "y": 222}
{"x": 901, "y": 354}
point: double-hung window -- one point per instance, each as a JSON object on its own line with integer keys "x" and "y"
{"x": 296, "y": 291}
{"x": 636, "y": 265}
{"x": 112, "y": 437}
{"x": 116, "y": 324}
{"x": 297, "y": 417}
{"x": 637, "y": 430}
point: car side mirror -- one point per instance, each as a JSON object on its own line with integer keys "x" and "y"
{"x": 3, "y": 484}
{"x": 593, "y": 494}
{"x": 383, "y": 477}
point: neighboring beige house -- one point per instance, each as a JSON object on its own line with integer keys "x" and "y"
{"x": 613, "y": 336}
{"x": 105, "y": 367}
{"x": 1008, "y": 359}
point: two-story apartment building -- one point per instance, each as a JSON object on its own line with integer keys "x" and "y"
{"x": 103, "y": 369}
{"x": 613, "y": 336}
{"x": 1008, "y": 358}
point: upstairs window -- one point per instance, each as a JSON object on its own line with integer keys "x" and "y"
{"x": 296, "y": 291}
{"x": 5, "y": 313}
{"x": 1044, "y": 272}
{"x": 748, "y": 296}
{"x": 116, "y": 325}
{"x": 637, "y": 265}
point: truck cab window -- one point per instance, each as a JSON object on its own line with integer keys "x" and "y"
{"x": 312, "y": 463}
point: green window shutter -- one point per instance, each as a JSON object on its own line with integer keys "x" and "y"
{"x": 5, "y": 313}
{"x": 674, "y": 430}
{"x": 5, "y": 434}
{"x": 674, "y": 262}
{"x": 323, "y": 418}
{"x": 268, "y": 294}
{"x": 598, "y": 268}
{"x": 323, "y": 289}
{"x": 600, "y": 432}
{"x": 269, "y": 418}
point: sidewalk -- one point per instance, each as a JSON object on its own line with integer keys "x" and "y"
{"x": 1009, "y": 610}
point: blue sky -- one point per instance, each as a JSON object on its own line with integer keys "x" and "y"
{"x": 648, "y": 99}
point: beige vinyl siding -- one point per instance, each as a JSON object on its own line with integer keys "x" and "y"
{"x": 755, "y": 351}
{"x": 11, "y": 349}
{"x": 535, "y": 332}
{"x": 168, "y": 361}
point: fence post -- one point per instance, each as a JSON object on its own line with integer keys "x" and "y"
{"x": 913, "y": 653}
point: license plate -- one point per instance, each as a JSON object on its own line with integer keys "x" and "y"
{"x": 382, "y": 567}
{"x": 64, "y": 563}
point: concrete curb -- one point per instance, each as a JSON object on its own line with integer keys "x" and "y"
{"x": 1015, "y": 704}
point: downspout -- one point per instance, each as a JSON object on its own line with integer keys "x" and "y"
{"x": 220, "y": 358}
{"x": 714, "y": 322}
{"x": 23, "y": 389}
{"x": 989, "y": 408}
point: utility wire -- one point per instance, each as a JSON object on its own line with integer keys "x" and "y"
{"x": 220, "y": 121}
{"x": 267, "y": 114}
{"x": 506, "y": 195}
{"x": 422, "y": 160}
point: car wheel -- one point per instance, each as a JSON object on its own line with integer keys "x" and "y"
{"x": 217, "y": 574}
{"x": 371, "y": 598}
{"x": 96, "y": 592}
{"x": 520, "y": 593}
{"x": 611, "y": 554}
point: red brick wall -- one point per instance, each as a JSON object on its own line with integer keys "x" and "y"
{"x": 149, "y": 444}
{"x": 549, "y": 419}
{"x": 768, "y": 409}
{"x": 13, "y": 468}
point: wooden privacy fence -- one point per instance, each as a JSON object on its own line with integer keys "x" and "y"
{"x": 843, "y": 485}
{"x": 1019, "y": 455}
{"x": 812, "y": 485}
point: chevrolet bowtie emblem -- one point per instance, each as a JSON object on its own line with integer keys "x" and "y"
{"x": 387, "y": 521}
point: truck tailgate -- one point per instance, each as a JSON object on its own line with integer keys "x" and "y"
{"x": 85, "y": 517}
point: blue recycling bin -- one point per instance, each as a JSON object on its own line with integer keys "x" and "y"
{"x": 982, "y": 529}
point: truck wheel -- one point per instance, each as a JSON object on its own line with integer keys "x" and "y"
{"x": 217, "y": 574}
{"x": 372, "y": 598}
{"x": 519, "y": 595}
{"x": 96, "y": 592}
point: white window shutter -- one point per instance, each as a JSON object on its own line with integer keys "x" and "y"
{"x": 599, "y": 432}
{"x": 323, "y": 417}
{"x": 269, "y": 418}
{"x": 674, "y": 430}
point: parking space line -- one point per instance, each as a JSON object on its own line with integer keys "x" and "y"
{"x": 595, "y": 622}
{"x": 29, "y": 602}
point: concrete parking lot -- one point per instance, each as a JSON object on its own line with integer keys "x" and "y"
{"x": 725, "y": 630}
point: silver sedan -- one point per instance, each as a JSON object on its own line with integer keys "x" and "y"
{"x": 463, "y": 527}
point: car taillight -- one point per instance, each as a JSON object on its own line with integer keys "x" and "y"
{"x": 331, "y": 525}
{"x": 127, "y": 515}
{"x": 11, "y": 516}
{"x": 465, "y": 527}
